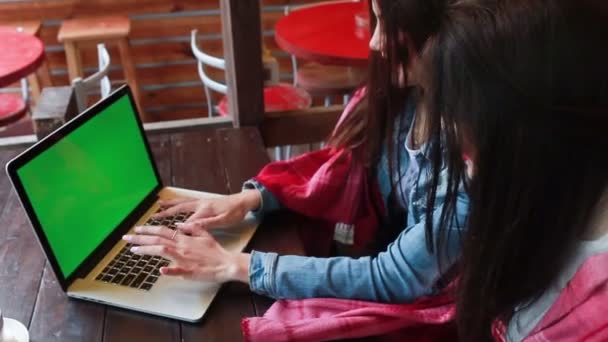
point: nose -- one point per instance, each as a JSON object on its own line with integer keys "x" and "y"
{"x": 374, "y": 42}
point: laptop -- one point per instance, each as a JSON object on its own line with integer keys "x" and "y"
{"x": 86, "y": 185}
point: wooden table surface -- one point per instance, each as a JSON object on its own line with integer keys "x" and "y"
{"x": 209, "y": 160}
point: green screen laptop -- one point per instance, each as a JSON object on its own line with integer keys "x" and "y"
{"x": 86, "y": 185}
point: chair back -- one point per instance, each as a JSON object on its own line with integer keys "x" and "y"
{"x": 204, "y": 59}
{"x": 100, "y": 79}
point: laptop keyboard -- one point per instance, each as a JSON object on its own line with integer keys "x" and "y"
{"x": 138, "y": 271}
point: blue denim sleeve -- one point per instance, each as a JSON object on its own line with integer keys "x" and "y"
{"x": 269, "y": 202}
{"x": 403, "y": 273}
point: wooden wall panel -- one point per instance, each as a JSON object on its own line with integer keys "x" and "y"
{"x": 160, "y": 47}
{"x": 66, "y": 9}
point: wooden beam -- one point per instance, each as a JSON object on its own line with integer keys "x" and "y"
{"x": 243, "y": 53}
{"x": 305, "y": 126}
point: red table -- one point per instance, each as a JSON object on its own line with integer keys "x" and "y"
{"x": 20, "y": 55}
{"x": 326, "y": 34}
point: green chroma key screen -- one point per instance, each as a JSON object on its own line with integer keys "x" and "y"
{"x": 82, "y": 187}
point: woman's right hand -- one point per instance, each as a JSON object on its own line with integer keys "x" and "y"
{"x": 211, "y": 213}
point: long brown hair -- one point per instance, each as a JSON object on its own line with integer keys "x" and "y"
{"x": 370, "y": 128}
{"x": 372, "y": 124}
{"x": 526, "y": 83}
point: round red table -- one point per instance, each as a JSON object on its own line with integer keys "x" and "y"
{"x": 326, "y": 34}
{"x": 20, "y": 55}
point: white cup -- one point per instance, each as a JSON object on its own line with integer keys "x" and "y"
{"x": 12, "y": 330}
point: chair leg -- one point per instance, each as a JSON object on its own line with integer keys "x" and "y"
{"x": 288, "y": 152}
{"x": 25, "y": 91}
{"x": 277, "y": 153}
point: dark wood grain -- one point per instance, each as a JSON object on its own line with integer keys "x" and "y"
{"x": 195, "y": 162}
{"x": 241, "y": 32}
{"x": 304, "y": 126}
{"x": 21, "y": 261}
{"x": 223, "y": 320}
{"x": 160, "y": 144}
{"x": 5, "y": 184}
{"x": 59, "y": 318}
{"x": 242, "y": 153}
{"x": 18, "y": 250}
{"x": 123, "y": 325}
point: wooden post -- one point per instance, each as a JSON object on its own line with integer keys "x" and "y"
{"x": 241, "y": 32}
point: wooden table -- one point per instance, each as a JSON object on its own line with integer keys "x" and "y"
{"x": 209, "y": 160}
{"x": 20, "y": 55}
{"x": 326, "y": 34}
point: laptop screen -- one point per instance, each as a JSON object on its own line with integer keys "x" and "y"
{"x": 83, "y": 186}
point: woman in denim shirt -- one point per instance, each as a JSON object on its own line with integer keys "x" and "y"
{"x": 413, "y": 264}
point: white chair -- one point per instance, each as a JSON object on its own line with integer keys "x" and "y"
{"x": 208, "y": 83}
{"x": 277, "y": 96}
{"x": 100, "y": 80}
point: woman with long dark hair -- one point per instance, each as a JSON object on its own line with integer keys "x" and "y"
{"x": 520, "y": 87}
{"x": 384, "y": 134}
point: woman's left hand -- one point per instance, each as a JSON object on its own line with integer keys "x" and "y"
{"x": 198, "y": 256}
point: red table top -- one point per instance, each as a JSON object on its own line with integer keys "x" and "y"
{"x": 325, "y": 33}
{"x": 20, "y": 55}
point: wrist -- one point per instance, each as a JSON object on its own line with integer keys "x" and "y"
{"x": 251, "y": 199}
{"x": 239, "y": 268}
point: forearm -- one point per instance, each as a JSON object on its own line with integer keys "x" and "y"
{"x": 304, "y": 277}
{"x": 403, "y": 273}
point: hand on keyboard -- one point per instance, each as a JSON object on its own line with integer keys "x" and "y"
{"x": 198, "y": 256}
{"x": 211, "y": 212}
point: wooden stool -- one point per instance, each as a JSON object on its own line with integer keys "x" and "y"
{"x": 12, "y": 108}
{"x": 106, "y": 30}
{"x": 42, "y": 78}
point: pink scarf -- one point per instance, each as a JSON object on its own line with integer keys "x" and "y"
{"x": 322, "y": 319}
{"x": 331, "y": 186}
{"x": 579, "y": 313}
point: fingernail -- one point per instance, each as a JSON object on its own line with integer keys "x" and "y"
{"x": 127, "y": 237}
{"x": 179, "y": 224}
{"x": 138, "y": 229}
{"x": 134, "y": 249}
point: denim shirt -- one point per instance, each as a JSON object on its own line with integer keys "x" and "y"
{"x": 403, "y": 273}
